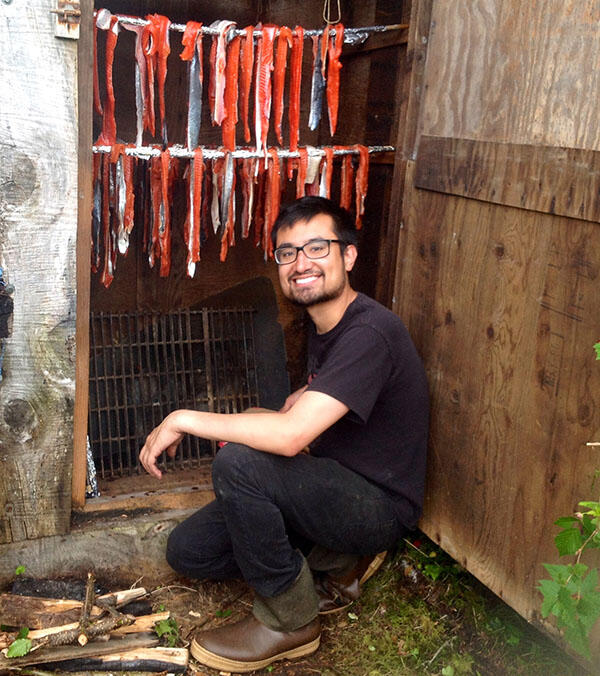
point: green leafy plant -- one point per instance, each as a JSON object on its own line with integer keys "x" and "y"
{"x": 168, "y": 630}
{"x": 19, "y": 570}
{"x": 572, "y": 594}
{"x": 21, "y": 645}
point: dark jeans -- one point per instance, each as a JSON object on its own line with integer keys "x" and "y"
{"x": 262, "y": 502}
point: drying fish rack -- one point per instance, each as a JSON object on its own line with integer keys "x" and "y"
{"x": 145, "y": 365}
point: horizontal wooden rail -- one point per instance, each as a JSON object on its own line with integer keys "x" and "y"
{"x": 560, "y": 181}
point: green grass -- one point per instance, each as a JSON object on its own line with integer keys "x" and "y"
{"x": 423, "y": 614}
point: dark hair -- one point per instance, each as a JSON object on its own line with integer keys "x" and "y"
{"x": 306, "y": 208}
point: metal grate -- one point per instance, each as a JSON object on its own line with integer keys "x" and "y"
{"x": 143, "y": 366}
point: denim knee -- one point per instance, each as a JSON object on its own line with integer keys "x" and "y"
{"x": 232, "y": 463}
{"x": 177, "y": 544}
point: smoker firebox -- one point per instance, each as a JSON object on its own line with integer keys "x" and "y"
{"x": 144, "y": 365}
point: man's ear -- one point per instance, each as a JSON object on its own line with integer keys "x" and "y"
{"x": 350, "y": 255}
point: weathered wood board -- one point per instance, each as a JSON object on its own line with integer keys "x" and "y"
{"x": 523, "y": 72}
{"x": 561, "y": 181}
{"x": 502, "y": 304}
{"x": 497, "y": 278}
{"x": 38, "y": 226}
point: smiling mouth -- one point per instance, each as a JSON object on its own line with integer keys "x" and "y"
{"x": 301, "y": 281}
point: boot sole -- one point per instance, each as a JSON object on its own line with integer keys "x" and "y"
{"x": 374, "y": 566}
{"x": 225, "y": 664}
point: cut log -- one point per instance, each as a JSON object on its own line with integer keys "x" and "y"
{"x": 92, "y": 649}
{"x": 40, "y": 613}
{"x": 170, "y": 660}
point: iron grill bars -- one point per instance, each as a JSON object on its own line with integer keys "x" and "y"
{"x": 145, "y": 365}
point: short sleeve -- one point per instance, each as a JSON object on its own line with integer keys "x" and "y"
{"x": 356, "y": 369}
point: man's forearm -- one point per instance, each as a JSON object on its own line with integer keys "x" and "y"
{"x": 266, "y": 431}
{"x": 283, "y": 433}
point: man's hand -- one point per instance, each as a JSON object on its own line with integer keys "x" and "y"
{"x": 165, "y": 437}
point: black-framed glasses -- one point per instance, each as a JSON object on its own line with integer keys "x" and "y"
{"x": 316, "y": 248}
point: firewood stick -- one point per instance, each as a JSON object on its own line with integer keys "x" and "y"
{"x": 86, "y": 609}
{"x": 40, "y": 613}
{"x": 140, "y": 624}
{"x": 93, "y": 630}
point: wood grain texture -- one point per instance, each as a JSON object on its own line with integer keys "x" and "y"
{"x": 521, "y": 72}
{"x": 408, "y": 101}
{"x": 561, "y": 181}
{"x": 38, "y": 226}
{"x": 85, "y": 64}
{"x": 502, "y": 305}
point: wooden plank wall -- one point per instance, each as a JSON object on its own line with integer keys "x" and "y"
{"x": 497, "y": 279}
{"x": 38, "y": 227}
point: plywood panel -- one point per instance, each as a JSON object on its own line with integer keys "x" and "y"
{"x": 562, "y": 181}
{"x": 523, "y": 72}
{"x": 502, "y": 303}
{"x": 38, "y": 226}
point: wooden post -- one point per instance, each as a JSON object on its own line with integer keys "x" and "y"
{"x": 38, "y": 228}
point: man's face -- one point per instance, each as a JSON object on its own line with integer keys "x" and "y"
{"x": 311, "y": 281}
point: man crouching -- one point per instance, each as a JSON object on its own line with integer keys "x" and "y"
{"x": 363, "y": 414}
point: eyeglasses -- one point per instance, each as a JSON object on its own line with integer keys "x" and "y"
{"x": 316, "y": 248}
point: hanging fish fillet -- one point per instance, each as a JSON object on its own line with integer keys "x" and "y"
{"x": 150, "y": 48}
{"x": 248, "y": 170}
{"x": 312, "y": 174}
{"x": 295, "y": 83}
{"x": 160, "y": 37}
{"x": 219, "y": 69}
{"x": 283, "y": 42}
{"x": 324, "y": 45}
{"x": 156, "y": 201}
{"x": 128, "y": 196}
{"x": 227, "y": 186}
{"x": 228, "y": 206}
{"x": 317, "y": 87}
{"x": 192, "y": 52}
{"x": 164, "y": 232}
{"x": 362, "y": 180}
{"x": 302, "y": 172}
{"x": 260, "y": 192}
{"x": 212, "y": 73}
{"x": 108, "y": 270}
{"x": 207, "y": 200}
{"x": 273, "y": 199}
{"x": 247, "y": 64}
{"x": 96, "y": 210}
{"x": 141, "y": 82}
{"x": 119, "y": 191}
{"x": 218, "y": 165}
{"x": 231, "y": 93}
{"x": 146, "y": 200}
{"x": 333, "y": 76}
{"x": 97, "y": 102}
{"x": 326, "y": 173}
{"x": 192, "y": 225}
{"x": 262, "y": 87}
{"x": 346, "y": 182}
{"x": 106, "y": 21}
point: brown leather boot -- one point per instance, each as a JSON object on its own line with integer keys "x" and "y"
{"x": 249, "y": 644}
{"x": 337, "y": 592}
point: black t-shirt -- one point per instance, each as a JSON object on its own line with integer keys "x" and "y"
{"x": 368, "y": 362}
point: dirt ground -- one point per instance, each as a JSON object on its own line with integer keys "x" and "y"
{"x": 420, "y": 614}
